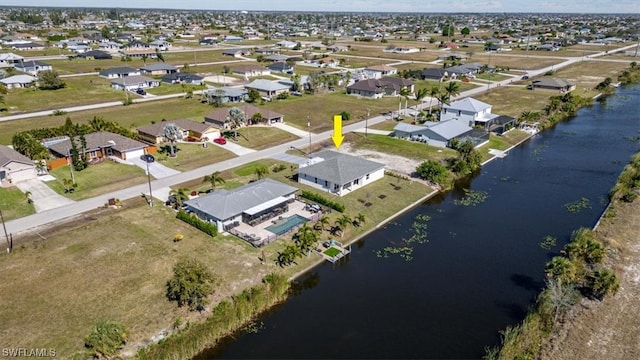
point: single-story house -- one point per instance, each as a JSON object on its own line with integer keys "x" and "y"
{"x": 101, "y": 145}
{"x": 138, "y": 53}
{"x": 32, "y": 67}
{"x": 431, "y": 74}
{"x": 131, "y": 83}
{"x": 268, "y": 88}
{"x": 266, "y": 51}
{"x": 287, "y": 44}
{"x": 95, "y": 55}
{"x": 339, "y": 173}
{"x": 276, "y": 57}
{"x": 27, "y": 46}
{"x": 378, "y": 71}
{"x": 183, "y": 78}
{"x": 377, "y": 88}
{"x": 251, "y": 70}
{"x": 233, "y": 38}
{"x": 10, "y": 59}
{"x": 502, "y": 124}
{"x": 549, "y": 47}
{"x": 281, "y": 67}
{"x": 19, "y": 81}
{"x": 209, "y": 42}
{"x": 557, "y": 84}
{"x": 153, "y": 133}
{"x": 236, "y": 52}
{"x": 161, "y": 45}
{"x": 14, "y": 166}
{"x": 118, "y": 72}
{"x": 159, "y": 69}
{"x": 226, "y": 94}
{"x": 110, "y": 46}
{"x": 248, "y": 204}
{"x": 219, "y": 116}
{"x": 437, "y": 134}
{"x": 402, "y": 50}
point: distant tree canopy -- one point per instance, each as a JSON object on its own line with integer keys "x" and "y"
{"x": 465, "y": 31}
{"x": 448, "y": 31}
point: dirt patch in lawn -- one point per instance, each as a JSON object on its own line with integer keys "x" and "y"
{"x": 393, "y": 162}
{"x": 609, "y": 329}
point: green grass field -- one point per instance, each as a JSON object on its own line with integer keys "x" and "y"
{"x": 193, "y": 155}
{"x": 13, "y": 203}
{"x": 395, "y": 146}
{"x": 97, "y": 179}
{"x": 260, "y": 137}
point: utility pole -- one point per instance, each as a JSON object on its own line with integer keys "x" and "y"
{"x": 366, "y": 122}
{"x": 5, "y": 232}
{"x": 149, "y": 181}
{"x": 309, "y": 128}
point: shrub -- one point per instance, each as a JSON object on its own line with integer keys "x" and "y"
{"x": 206, "y": 227}
{"x": 433, "y": 171}
{"x": 191, "y": 283}
{"x": 59, "y": 112}
{"x": 106, "y": 338}
{"x": 322, "y": 200}
{"x": 603, "y": 282}
{"x": 278, "y": 168}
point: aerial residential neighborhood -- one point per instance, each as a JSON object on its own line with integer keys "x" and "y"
{"x": 166, "y": 174}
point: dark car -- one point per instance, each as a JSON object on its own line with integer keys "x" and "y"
{"x": 525, "y": 77}
{"x": 147, "y": 158}
{"x": 140, "y": 91}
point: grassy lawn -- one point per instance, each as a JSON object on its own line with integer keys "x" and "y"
{"x": 13, "y": 203}
{"x": 193, "y": 155}
{"x": 114, "y": 264}
{"x": 588, "y": 74}
{"x": 79, "y": 91}
{"x": 131, "y": 116}
{"x": 524, "y": 63}
{"x": 331, "y": 252}
{"x": 165, "y": 89}
{"x": 321, "y": 107}
{"x": 260, "y": 137}
{"x": 387, "y": 125}
{"x": 80, "y": 65}
{"x": 513, "y": 101}
{"x": 502, "y": 142}
{"x": 391, "y": 145}
{"x": 493, "y": 77}
{"x": 97, "y": 179}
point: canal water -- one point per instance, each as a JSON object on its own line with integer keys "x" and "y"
{"x": 480, "y": 266}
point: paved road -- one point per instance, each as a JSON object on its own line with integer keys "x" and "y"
{"x": 66, "y": 211}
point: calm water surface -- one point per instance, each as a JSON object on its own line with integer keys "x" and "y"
{"x": 481, "y": 267}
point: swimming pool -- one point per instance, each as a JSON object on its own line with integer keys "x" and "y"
{"x": 284, "y": 225}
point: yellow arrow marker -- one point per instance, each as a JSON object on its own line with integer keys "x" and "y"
{"x": 337, "y": 131}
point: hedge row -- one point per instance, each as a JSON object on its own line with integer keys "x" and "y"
{"x": 205, "y": 227}
{"x": 322, "y": 200}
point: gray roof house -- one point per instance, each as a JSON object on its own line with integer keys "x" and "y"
{"x": 557, "y": 84}
{"x": 132, "y": 83}
{"x": 470, "y": 111}
{"x": 32, "y": 67}
{"x": 18, "y": 81}
{"x": 159, "y": 69}
{"x": 226, "y": 94}
{"x": 339, "y": 173}
{"x": 268, "y": 88}
{"x": 377, "y": 88}
{"x": 219, "y": 116}
{"x": 434, "y": 133}
{"x": 118, "y": 72}
{"x": 249, "y": 203}
{"x": 15, "y": 166}
{"x": 183, "y": 78}
{"x": 102, "y": 144}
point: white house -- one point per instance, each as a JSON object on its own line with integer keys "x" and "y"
{"x": 339, "y": 173}
{"x": 378, "y": 71}
{"x": 469, "y": 111}
{"x": 132, "y": 83}
{"x": 18, "y": 81}
{"x": 14, "y": 166}
{"x": 32, "y": 67}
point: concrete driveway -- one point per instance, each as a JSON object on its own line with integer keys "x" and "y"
{"x": 299, "y": 160}
{"x": 43, "y": 197}
{"x": 235, "y": 148}
{"x": 157, "y": 170}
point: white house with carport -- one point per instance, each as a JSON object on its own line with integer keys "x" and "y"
{"x": 131, "y": 83}
{"x": 339, "y": 173}
{"x": 14, "y": 166}
{"x": 251, "y": 204}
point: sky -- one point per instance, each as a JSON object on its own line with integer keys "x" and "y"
{"x": 425, "y": 6}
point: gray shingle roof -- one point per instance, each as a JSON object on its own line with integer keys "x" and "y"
{"x": 553, "y": 82}
{"x": 158, "y": 67}
{"x": 224, "y": 204}
{"x": 18, "y": 79}
{"x": 117, "y": 70}
{"x": 340, "y": 168}
{"x": 99, "y": 140}
{"x": 404, "y": 127}
{"x": 8, "y": 155}
{"x": 266, "y": 85}
{"x": 185, "y": 124}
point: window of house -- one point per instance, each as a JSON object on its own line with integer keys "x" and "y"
{"x": 356, "y": 181}
{"x": 336, "y": 186}
{"x": 93, "y": 154}
{"x": 367, "y": 177}
{"x": 315, "y": 180}
{"x": 459, "y": 112}
{"x": 326, "y": 183}
{"x": 444, "y": 110}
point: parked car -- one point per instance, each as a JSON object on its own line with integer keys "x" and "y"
{"x": 220, "y": 141}
{"x": 141, "y": 91}
{"x": 148, "y": 158}
{"x": 525, "y": 77}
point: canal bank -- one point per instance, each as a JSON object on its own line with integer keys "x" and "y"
{"x": 465, "y": 255}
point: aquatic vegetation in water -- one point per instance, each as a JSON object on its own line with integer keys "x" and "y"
{"x": 548, "y": 242}
{"x": 472, "y": 198}
{"x": 578, "y": 205}
{"x": 538, "y": 150}
{"x": 405, "y": 249}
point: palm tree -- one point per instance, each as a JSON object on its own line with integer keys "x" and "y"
{"x": 27, "y": 194}
{"x": 171, "y": 133}
{"x": 452, "y": 88}
{"x": 433, "y": 93}
{"x": 443, "y": 98}
{"x": 144, "y": 58}
{"x": 180, "y": 195}
{"x": 561, "y": 269}
{"x": 405, "y": 92}
{"x": 261, "y": 171}
{"x": 342, "y": 222}
{"x": 214, "y": 179}
{"x": 324, "y": 221}
{"x": 359, "y": 219}
{"x": 236, "y": 119}
{"x": 420, "y": 95}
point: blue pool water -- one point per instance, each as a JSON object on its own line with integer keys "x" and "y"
{"x": 287, "y": 224}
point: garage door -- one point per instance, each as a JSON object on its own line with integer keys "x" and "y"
{"x": 134, "y": 154}
{"x": 24, "y": 174}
